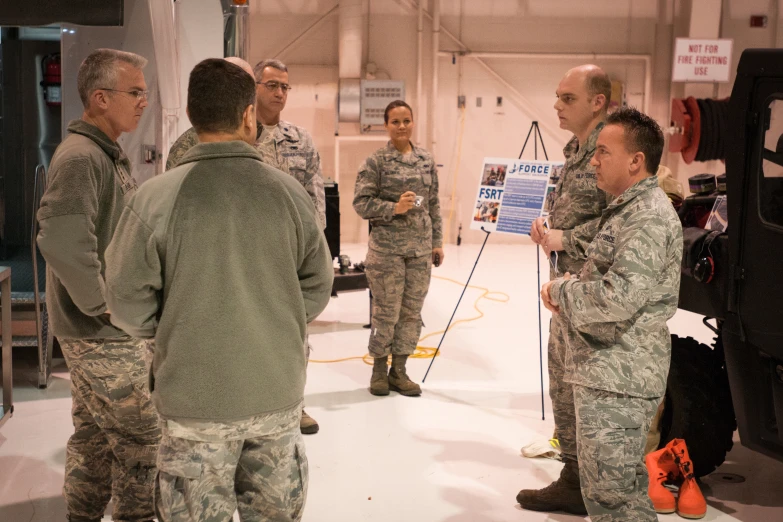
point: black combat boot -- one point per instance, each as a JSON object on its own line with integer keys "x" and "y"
{"x": 564, "y": 494}
{"x": 399, "y": 380}
{"x": 379, "y": 382}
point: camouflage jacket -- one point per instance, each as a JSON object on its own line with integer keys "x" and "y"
{"x": 382, "y": 179}
{"x": 626, "y": 292}
{"x": 184, "y": 143}
{"x": 295, "y": 155}
{"x": 578, "y": 202}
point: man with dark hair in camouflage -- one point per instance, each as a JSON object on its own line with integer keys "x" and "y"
{"x": 281, "y": 144}
{"x": 113, "y": 448}
{"x": 616, "y": 310}
{"x": 228, "y": 375}
{"x": 582, "y": 99}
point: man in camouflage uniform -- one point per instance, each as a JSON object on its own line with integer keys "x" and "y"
{"x": 112, "y": 451}
{"x": 228, "y": 373}
{"x": 616, "y": 311}
{"x": 405, "y": 241}
{"x": 281, "y": 144}
{"x": 582, "y": 99}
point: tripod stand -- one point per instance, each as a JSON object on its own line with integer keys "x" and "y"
{"x": 536, "y": 131}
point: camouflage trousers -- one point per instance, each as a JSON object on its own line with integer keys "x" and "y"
{"x": 611, "y": 435}
{"x": 112, "y": 451}
{"x": 209, "y": 470}
{"x": 399, "y": 285}
{"x": 560, "y": 391}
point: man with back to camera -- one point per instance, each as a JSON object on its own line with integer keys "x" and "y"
{"x": 189, "y": 138}
{"x": 281, "y": 144}
{"x": 616, "y": 313}
{"x": 583, "y": 96}
{"x": 224, "y": 262}
{"x": 113, "y": 448}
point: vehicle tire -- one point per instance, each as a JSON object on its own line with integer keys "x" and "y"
{"x": 698, "y": 405}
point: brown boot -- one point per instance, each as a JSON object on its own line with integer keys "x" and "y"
{"x": 564, "y": 494}
{"x": 399, "y": 380}
{"x": 307, "y": 424}
{"x": 379, "y": 382}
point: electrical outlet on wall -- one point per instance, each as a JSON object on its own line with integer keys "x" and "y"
{"x": 149, "y": 154}
{"x": 478, "y": 101}
{"x": 460, "y": 102}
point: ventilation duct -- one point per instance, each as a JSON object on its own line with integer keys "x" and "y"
{"x": 351, "y": 17}
{"x": 235, "y": 28}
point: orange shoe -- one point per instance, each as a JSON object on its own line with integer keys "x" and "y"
{"x": 661, "y": 467}
{"x": 690, "y": 502}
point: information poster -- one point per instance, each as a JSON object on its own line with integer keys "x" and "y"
{"x": 513, "y": 193}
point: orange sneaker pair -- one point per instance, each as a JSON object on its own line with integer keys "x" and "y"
{"x": 668, "y": 464}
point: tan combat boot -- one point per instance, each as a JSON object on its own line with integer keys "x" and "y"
{"x": 379, "y": 382}
{"x": 564, "y": 494}
{"x": 399, "y": 380}
{"x": 307, "y": 424}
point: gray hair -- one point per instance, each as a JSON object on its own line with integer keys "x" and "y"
{"x": 99, "y": 71}
{"x": 269, "y": 62}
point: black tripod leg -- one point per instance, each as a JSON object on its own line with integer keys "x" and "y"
{"x": 525, "y": 144}
{"x": 467, "y": 283}
{"x": 538, "y": 130}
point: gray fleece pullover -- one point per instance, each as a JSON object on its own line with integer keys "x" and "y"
{"x": 222, "y": 260}
{"x": 89, "y": 181}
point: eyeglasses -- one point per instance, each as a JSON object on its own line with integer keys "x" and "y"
{"x": 273, "y": 86}
{"x": 139, "y": 95}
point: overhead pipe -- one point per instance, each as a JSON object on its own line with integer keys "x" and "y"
{"x": 236, "y": 34}
{"x": 419, "y": 69}
{"x": 351, "y": 15}
{"x": 433, "y": 126}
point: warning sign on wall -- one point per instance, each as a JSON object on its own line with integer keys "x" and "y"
{"x": 702, "y": 60}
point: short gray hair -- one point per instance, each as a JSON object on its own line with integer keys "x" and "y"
{"x": 269, "y": 62}
{"x": 99, "y": 71}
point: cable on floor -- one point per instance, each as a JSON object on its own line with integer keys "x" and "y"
{"x": 427, "y": 352}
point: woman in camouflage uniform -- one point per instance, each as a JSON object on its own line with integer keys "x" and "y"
{"x": 397, "y": 190}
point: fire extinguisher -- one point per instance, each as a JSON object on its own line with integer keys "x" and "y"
{"x": 53, "y": 94}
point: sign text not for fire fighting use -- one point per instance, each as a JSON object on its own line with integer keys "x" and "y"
{"x": 702, "y": 60}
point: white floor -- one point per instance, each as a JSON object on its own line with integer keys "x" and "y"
{"x": 451, "y": 455}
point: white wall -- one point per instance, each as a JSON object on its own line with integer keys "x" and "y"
{"x": 553, "y": 26}
{"x": 199, "y": 36}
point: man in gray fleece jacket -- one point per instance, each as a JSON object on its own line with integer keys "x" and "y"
{"x": 112, "y": 451}
{"x": 223, "y": 261}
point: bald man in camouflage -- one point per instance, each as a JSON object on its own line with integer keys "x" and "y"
{"x": 281, "y": 144}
